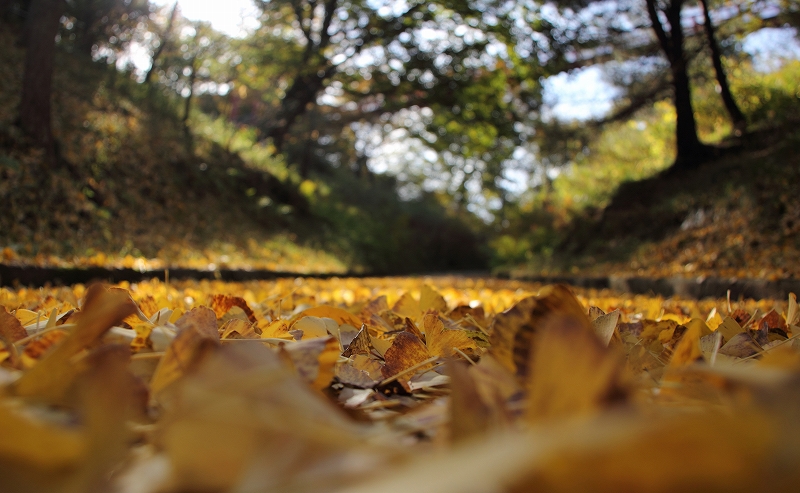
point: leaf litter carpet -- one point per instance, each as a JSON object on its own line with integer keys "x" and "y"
{"x": 394, "y": 385}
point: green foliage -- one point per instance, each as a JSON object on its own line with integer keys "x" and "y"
{"x": 363, "y": 221}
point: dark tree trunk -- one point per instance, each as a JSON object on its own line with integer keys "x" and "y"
{"x": 690, "y": 152}
{"x": 165, "y": 38}
{"x": 86, "y": 21}
{"x": 737, "y": 117}
{"x": 187, "y": 103}
{"x": 295, "y": 103}
{"x": 35, "y": 104}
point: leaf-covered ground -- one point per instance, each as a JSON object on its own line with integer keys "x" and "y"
{"x": 403, "y": 384}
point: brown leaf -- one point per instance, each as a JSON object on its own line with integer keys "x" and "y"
{"x": 36, "y": 349}
{"x": 374, "y": 307}
{"x": 604, "y": 325}
{"x": 512, "y": 331}
{"x": 11, "y": 330}
{"x": 222, "y": 303}
{"x": 405, "y": 352}
{"x": 412, "y": 327}
{"x": 467, "y": 316}
{"x": 362, "y": 344}
{"x": 314, "y": 359}
{"x": 469, "y": 415}
{"x": 741, "y": 346}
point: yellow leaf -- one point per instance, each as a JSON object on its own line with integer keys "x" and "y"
{"x": 430, "y": 299}
{"x": 688, "y": 350}
{"x": 197, "y": 329}
{"x": 407, "y": 306}
{"x": 323, "y": 311}
{"x": 443, "y": 342}
{"x": 512, "y": 331}
{"x": 49, "y": 379}
{"x": 572, "y": 372}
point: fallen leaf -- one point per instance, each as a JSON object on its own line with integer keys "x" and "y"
{"x": 323, "y": 311}
{"x": 49, "y": 379}
{"x": 314, "y": 359}
{"x": 604, "y": 325}
{"x": 444, "y": 342}
{"x": 407, "y": 306}
{"x": 430, "y": 299}
{"x": 512, "y": 331}
{"x": 405, "y": 352}
{"x": 197, "y": 329}
{"x": 572, "y": 372}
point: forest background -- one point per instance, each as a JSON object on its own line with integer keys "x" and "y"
{"x": 396, "y": 137}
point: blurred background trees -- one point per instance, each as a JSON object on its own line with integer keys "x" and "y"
{"x": 449, "y": 107}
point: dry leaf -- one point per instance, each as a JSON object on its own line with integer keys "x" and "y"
{"x": 469, "y": 415}
{"x": 430, "y": 299}
{"x": 405, "y": 352}
{"x": 407, "y": 306}
{"x": 604, "y": 325}
{"x": 314, "y": 359}
{"x": 512, "y": 331}
{"x": 443, "y": 342}
{"x": 196, "y": 330}
{"x": 323, "y": 311}
{"x": 50, "y": 378}
{"x": 223, "y": 303}
{"x": 572, "y": 372}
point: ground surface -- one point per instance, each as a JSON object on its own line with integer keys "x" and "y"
{"x": 394, "y": 384}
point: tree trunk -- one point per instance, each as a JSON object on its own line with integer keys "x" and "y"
{"x": 737, "y": 117}
{"x": 35, "y": 105}
{"x": 690, "y": 152}
{"x": 165, "y": 38}
{"x": 187, "y": 104}
{"x": 295, "y": 103}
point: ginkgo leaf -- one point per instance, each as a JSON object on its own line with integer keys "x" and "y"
{"x": 792, "y": 311}
{"x": 223, "y": 303}
{"x": 688, "y": 348}
{"x": 36, "y": 349}
{"x": 361, "y": 344}
{"x": 197, "y": 329}
{"x": 512, "y": 331}
{"x": 49, "y": 378}
{"x": 430, "y": 299}
{"x": 604, "y": 325}
{"x": 11, "y": 329}
{"x": 314, "y": 359}
{"x": 444, "y": 342}
{"x": 324, "y": 311}
{"x": 729, "y": 328}
{"x": 406, "y": 352}
{"x": 469, "y": 415}
{"x": 374, "y": 307}
{"x": 572, "y": 372}
{"x": 313, "y": 326}
{"x": 407, "y": 306}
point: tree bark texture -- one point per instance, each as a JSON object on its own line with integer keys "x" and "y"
{"x": 737, "y": 117}
{"x": 35, "y": 104}
{"x": 690, "y": 151}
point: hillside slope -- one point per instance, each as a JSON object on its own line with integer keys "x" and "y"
{"x": 737, "y": 216}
